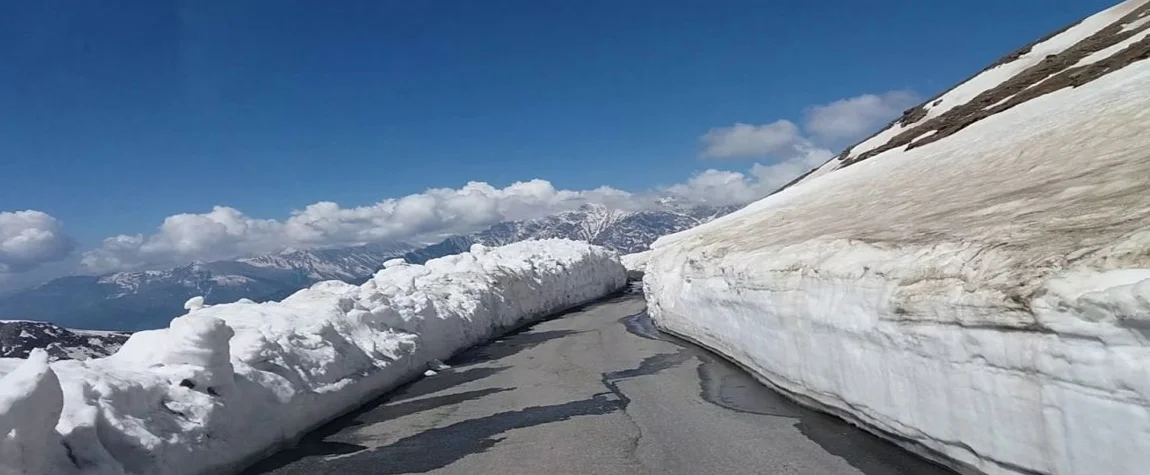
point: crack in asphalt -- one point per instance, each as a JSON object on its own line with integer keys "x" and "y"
{"x": 346, "y": 448}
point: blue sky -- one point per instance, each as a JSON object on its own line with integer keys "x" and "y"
{"x": 119, "y": 114}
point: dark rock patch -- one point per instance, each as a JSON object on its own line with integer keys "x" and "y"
{"x": 19, "y": 338}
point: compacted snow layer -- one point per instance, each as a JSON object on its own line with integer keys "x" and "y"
{"x": 226, "y": 384}
{"x": 984, "y": 299}
{"x": 636, "y": 262}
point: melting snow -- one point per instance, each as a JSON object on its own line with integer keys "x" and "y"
{"x": 1108, "y": 52}
{"x": 1136, "y": 24}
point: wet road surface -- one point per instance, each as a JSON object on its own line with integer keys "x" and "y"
{"x": 594, "y": 391}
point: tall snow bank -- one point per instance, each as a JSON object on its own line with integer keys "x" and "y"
{"x": 984, "y": 299}
{"x": 226, "y": 384}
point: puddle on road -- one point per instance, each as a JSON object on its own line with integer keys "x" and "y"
{"x": 727, "y": 385}
{"x": 721, "y": 382}
{"x": 641, "y": 326}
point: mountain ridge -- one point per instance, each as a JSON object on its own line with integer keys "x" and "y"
{"x": 138, "y": 300}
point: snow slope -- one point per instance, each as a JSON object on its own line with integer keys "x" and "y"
{"x": 225, "y": 384}
{"x": 636, "y": 262}
{"x": 983, "y": 299}
{"x": 1061, "y": 54}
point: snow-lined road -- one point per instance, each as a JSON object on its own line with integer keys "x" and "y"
{"x": 596, "y": 391}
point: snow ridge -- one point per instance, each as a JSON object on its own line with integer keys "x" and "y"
{"x": 983, "y": 299}
{"x": 225, "y": 384}
{"x": 618, "y": 230}
{"x": 332, "y": 264}
{"x": 1096, "y": 46}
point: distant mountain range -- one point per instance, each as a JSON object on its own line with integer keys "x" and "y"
{"x": 150, "y": 299}
{"x": 131, "y": 301}
{"x": 625, "y": 232}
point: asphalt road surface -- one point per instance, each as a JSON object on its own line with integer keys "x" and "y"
{"x": 593, "y": 391}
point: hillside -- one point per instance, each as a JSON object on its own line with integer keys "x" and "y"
{"x": 148, "y": 299}
{"x": 19, "y": 338}
{"x": 973, "y": 281}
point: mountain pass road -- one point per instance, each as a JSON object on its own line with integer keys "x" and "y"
{"x": 594, "y": 391}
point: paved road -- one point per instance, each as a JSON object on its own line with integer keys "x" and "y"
{"x": 595, "y": 391}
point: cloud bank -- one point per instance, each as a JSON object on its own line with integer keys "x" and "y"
{"x": 852, "y": 119}
{"x": 746, "y": 140}
{"x": 795, "y": 150}
{"x": 225, "y": 232}
{"x": 29, "y": 239}
{"x": 825, "y": 126}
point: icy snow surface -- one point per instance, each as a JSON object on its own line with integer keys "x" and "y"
{"x": 984, "y": 299}
{"x": 225, "y": 384}
{"x": 636, "y": 261}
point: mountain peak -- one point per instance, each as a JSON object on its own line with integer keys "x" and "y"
{"x": 149, "y": 299}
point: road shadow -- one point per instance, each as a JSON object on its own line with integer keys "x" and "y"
{"x": 510, "y": 344}
{"x": 320, "y": 443}
{"x": 446, "y": 379}
{"x": 862, "y": 450}
{"x": 437, "y": 448}
{"x": 728, "y": 385}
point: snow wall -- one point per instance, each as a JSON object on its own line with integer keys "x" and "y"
{"x": 983, "y": 300}
{"x": 228, "y": 384}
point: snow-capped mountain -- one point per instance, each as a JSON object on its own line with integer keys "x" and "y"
{"x": 625, "y": 232}
{"x": 149, "y": 299}
{"x": 346, "y": 263}
{"x": 19, "y": 338}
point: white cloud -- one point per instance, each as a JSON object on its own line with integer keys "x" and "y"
{"x": 746, "y": 140}
{"x": 826, "y": 126}
{"x": 227, "y": 232}
{"x": 29, "y": 239}
{"x": 856, "y": 117}
{"x": 795, "y": 151}
{"x": 722, "y": 188}
{"x": 716, "y": 187}
{"x": 774, "y": 176}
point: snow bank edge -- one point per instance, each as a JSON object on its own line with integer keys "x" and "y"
{"x": 380, "y": 384}
{"x": 812, "y": 403}
{"x": 232, "y": 398}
